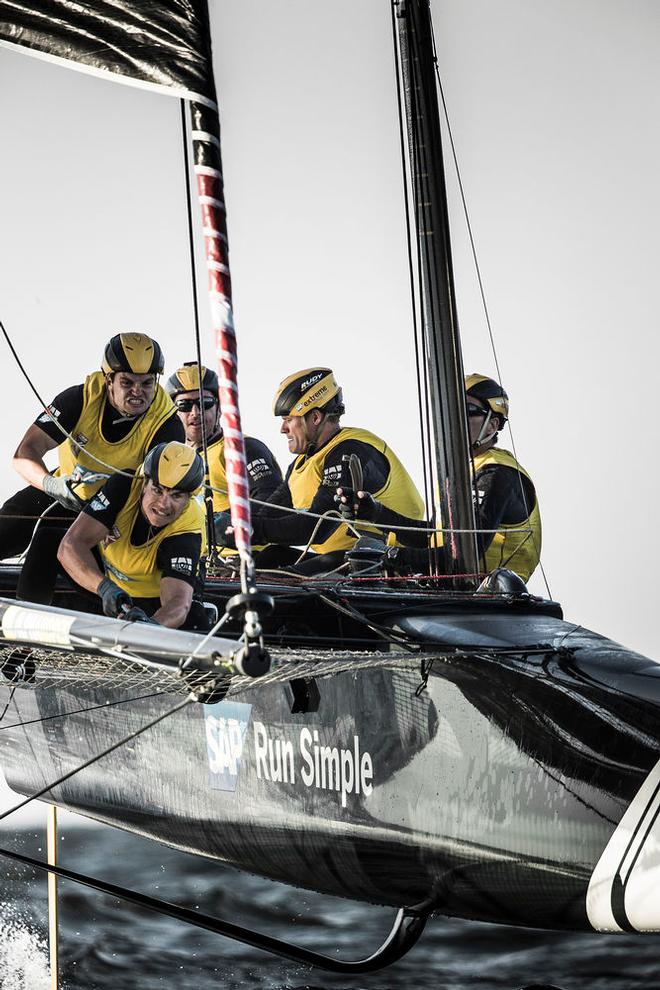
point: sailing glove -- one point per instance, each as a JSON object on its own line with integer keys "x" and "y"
{"x": 59, "y": 488}
{"x": 356, "y": 505}
{"x": 222, "y": 522}
{"x": 115, "y": 601}
{"x": 136, "y": 614}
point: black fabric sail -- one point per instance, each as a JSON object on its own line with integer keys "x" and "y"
{"x": 164, "y": 46}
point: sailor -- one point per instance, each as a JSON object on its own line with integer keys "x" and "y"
{"x": 183, "y": 387}
{"x": 310, "y": 403}
{"x": 149, "y": 533}
{"x": 506, "y": 507}
{"x": 112, "y": 420}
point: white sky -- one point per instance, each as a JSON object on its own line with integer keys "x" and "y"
{"x": 554, "y": 109}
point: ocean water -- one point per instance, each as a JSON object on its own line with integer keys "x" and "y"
{"x": 105, "y": 943}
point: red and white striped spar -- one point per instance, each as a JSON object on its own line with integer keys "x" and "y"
{"x": 210, "y": 188}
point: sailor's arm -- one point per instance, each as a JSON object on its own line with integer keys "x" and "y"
{"x": 178, "y": 561}
{"x": 175, "y": 602}
{"x": 75, "y": 551}
{"x": 29, "y": 457}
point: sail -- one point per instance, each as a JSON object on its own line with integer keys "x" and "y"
{"x": 164, "y": 46}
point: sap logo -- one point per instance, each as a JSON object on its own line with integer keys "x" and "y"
{"x": 332, "y": 475}
{"x": 226, "y": 725}
{"x": 48, "y": 416}
{"x": 311, "y": 381}
{"x": 99, "y": 502}
{"x": 183, "y": 564}
{"x": 258, "y": 468}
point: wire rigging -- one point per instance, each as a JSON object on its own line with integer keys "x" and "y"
{"x": 94, "y": 759}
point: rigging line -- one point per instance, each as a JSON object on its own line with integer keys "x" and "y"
{"x": 78, "y": 711}
{"x": 65, "y": 433}
{"x": 428, "y": 495}
{"x": 210, "y": 526}
{"x": 9, "y": 701}
{"x": 418, "y": 167}
{"x": 477, "y": 267}
{"x": 376, "y": 525}
{"x": 387, "y": 634}
{"x": 95, "y": 759}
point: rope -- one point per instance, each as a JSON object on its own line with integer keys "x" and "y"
{"x": 428, "y": 492}
{"x": 210, "y": 528}
{"x": 482, "y": 291}
{"x": 75, "y": 711}
{"x": 65, "y": 433}
{"x": 93, "y": 759}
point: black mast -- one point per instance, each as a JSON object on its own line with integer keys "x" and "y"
{"x": 437, "y": 295}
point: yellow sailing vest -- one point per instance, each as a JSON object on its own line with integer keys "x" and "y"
{"x": 134, "y": 568}
{"x": 124, "y": 455}
{"x": 398, "y": 492}
{"x": 217, "y": 475}
{"x": 520, "y": 552}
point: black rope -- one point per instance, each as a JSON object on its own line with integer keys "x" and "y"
{"x": 75, "y": 711}
{"x": 94, "y": 759}
{"x": 208, "y": 500}
{"x": 65, "y": 433}
{"x": 387, "y": 634}
{"x": 9, "y": 701}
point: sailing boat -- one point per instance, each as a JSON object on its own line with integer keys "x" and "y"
{"x": 503, "y": 707}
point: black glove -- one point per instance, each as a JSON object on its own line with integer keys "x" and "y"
{"x": 357, "y": 505}
{"x": 222, "y": 522}
{"x": 136, "y": 614}
{"x": 115, "y": 600}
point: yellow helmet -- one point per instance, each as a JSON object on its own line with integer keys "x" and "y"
{"x": 133, "y": 352}
{"x": 313, "y": 388}
{"x": 186, "y": 379}
{"x": 174, "y": 465}
{"x": 487, "y": 390}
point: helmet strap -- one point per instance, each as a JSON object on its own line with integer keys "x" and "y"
{"x": 311, "y": 438}
{"x": 482, "y": 441}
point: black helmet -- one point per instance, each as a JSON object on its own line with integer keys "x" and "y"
{"x": 314, "y": 388}
{"x": 133, "y": 352}
{"x": 487, "y": 390}
{"x": 186, "y": 379}
{"x": 174, "y": 465}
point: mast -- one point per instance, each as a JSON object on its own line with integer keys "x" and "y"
{"x": 437, "y": 294}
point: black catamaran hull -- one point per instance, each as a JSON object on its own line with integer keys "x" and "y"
{"x": 490, "y": 784}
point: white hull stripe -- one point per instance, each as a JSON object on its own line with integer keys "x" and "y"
{"x": 624, "y": 890}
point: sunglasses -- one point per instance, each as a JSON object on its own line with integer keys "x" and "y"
{"x": 187, "y": 405}
{"x": 476, "y": 410}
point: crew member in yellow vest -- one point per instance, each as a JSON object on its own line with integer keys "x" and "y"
{"x": 199, "y": 411}
{"x": 112, "y": 420}
{"x": 310, "y": 403}
{"x": 149, "y": 533}
{"x": 506, "y": 507}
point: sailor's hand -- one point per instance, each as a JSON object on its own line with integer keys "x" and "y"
{"x": 136, "y": 614}
{"x": 356, "y": 505}
{"x": 115, "y": 600}
{"x": 224, "y": 533}
{"x": 60, "y": 489}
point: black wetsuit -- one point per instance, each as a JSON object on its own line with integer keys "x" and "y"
{"x": 289, "y": 529}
